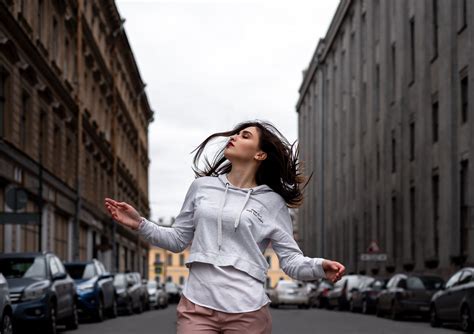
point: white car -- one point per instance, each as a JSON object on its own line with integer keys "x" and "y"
{"x": 290, "y": 293}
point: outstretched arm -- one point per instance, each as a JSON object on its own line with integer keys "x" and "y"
{"x": 292, "y": 260}
{"x": 175, "y": 238}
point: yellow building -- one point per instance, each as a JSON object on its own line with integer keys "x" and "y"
{"x": 168, "y": 266}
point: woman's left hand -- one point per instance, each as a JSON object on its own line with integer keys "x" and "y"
{"x": 334, "y": 270}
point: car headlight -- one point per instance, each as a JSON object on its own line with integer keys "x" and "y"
{"x": 35, "y": 291}
{"x": 85, "y": 287}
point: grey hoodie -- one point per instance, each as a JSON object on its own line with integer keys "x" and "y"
{"x": 233, "y": 226}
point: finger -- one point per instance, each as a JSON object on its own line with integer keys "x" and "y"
{"x": 111, "y": 202}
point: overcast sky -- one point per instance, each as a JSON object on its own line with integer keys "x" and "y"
{"x": 209, "y": 65}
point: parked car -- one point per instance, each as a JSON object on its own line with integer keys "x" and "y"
{"x": 127, "y": 294}
{"x": 408, "y": 295}
{"x": 290, "y": 293}
{"x": 162, "y": 296}
{"x": 364, "y": 298}
{"x": 174, "y": 292}
{"x": 41, "y": 292}
{"x": 6, "y": 322}
{"x": 95, "y": 289}
{"x": 341, "y": 295}
{"x": 137, "y": 277}
{"x": 455, "y": 302}
{"x": 156, "y": 295}
{"x": 321, "y": 293}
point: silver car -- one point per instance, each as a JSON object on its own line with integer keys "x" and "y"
{"x": 290, "y": 293}
{"x": 6, "y": 326}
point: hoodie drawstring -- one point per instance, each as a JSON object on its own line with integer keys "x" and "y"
{"x": 237, "y": 219}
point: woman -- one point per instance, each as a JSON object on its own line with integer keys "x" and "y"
{"x": 232, "y": 211}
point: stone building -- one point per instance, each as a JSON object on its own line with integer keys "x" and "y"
{"x": 386, "y": 124}
{"x": 74, "y": 120}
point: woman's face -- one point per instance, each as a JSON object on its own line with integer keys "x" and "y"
{"x": 243, "y": 145}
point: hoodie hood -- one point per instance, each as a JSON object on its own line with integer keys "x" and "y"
{"x": 263, "y": 188}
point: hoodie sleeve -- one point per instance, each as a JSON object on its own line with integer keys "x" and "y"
{"x": 177, "y": 237}
{"x": 292, "y": 260}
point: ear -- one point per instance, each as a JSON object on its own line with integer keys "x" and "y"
{"x": 261, "y": 155}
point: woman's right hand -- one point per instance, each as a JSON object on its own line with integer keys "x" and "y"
{"x": 124, "y": 213}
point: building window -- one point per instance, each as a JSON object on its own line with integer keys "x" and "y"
{"x": 412, "y": 141}
{"x": 412, "y": 50}
{"x": 24, "y": 120}
{"x": 377, "y": 91}
{"x": 61, "y": 237}
{"x": 181, "y": 260}
{"x": 57, "y": 148}
{"x": 157, "y": 257}
{"x": 435, "y": 182}
{"x": 82, "y": 243}
{"x": 464, "y": 224}
{"x": 3, "y": 101}
{"x": 169, "y": 260}
{"x": 435, "y": 28}
{"x": 435, "y": 120}
{"x": 412, "y": 220}
{"x": 464, "y": 99}
{"x": 394, "y": 227}
{"x": 462, "y": 15}
{"x": 54, "y": 37}
{"x": 394, "y": 150}
{"x": 394, "y": 72}
{"x": 181, "y": 280}
{"x": 39, "y": 19}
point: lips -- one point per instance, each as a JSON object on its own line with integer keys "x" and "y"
{"x": 230, "y": 144}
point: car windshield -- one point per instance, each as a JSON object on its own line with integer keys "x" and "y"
{"x": 23, "y": 267}
{"x": 424, "y": 283}
{"x": 119, "y": 280}
{"x": 80, "y": 271}
{"x": 151, "y": 285}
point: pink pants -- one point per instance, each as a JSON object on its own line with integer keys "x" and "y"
{"x": 193, "y": 318}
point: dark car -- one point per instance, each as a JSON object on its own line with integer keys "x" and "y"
{"x": 95, "y": 289}
{"x": 41, "y": 292}
{"x": 455, "y": 302}
{"x": 127, "y": 294}
{"x": 408, "y": 295}
{"x": 364, "y": 298}
{"x": 6, "y": 323}
{"x": 321, "y": 293}
{"x": 174, "y": 292}
{"x": 340, "y": 296}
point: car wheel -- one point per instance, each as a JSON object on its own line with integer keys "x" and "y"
{"x": 113, "y": 309}
{"x": 466, "y": 321}
{"x": 52, "y": 319}
{"x": 130, "y": 307}
{"x": 378, "y": 310}
{"x": 140, "y": 307}
{"x": 365, "y": 308}
{"x": 73, "y": 321}
{"x": 99, "y": 313}
{"x": 434, "y": 320}
{"x": 394, "y": 313}
{"x": 6, "y": 325}
{"x": 351, "y": 306}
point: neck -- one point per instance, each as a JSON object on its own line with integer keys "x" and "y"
{"x": 242, "y": 177}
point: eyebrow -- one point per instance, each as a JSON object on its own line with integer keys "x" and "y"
{"x": 250, "y": 133}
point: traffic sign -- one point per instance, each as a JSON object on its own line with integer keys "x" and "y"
{"x": 373, "y": 257}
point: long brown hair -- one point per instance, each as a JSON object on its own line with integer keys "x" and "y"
{"x": 281, "y": 170}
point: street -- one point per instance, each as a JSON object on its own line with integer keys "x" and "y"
{"x": 287, "y": 320}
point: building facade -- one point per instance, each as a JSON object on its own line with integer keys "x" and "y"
{"x": 74, "y": 120}
{"x": 386, "y": 124}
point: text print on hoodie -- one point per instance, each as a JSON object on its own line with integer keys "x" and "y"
{"x": 232, "y": 226}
